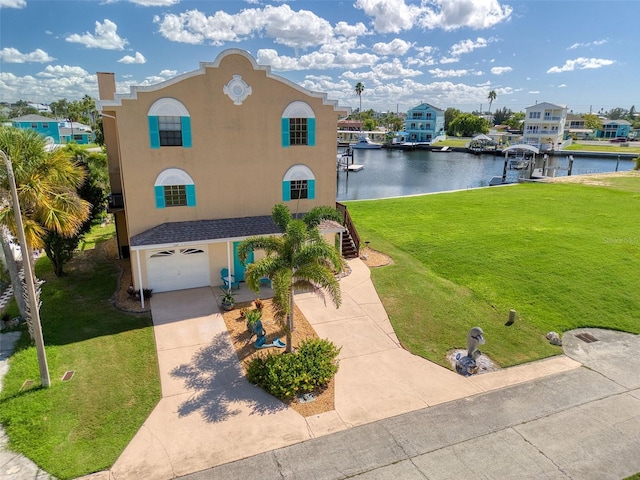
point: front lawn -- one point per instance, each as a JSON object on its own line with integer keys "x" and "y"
{"x": 562, "y": 255}
{"x": 82, "y": 425}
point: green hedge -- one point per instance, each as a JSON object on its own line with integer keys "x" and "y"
{"x": 285, "y": 375}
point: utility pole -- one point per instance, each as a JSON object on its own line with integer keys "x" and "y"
{"x": 28, "y": 277}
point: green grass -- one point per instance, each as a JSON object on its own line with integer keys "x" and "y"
{"x": 634, "y": 147}
{"x": 562, "y": 255}
{"x": 96, "y": 235}
{"x": 81, "y": 426}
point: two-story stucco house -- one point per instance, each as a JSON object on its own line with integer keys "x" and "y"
{"x": 45, "y": 126}
{"x": 197, "y": 162}
{"x": 615, "y": 129}
{"x": 424, "y": 123}
{"x": 544, "y": 125}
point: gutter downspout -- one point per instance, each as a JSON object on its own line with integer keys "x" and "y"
{"x": 140, "y": 279}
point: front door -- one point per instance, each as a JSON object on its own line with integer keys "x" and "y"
{"x": 238, "y": 267}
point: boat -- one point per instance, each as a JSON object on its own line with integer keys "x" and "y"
{"x": 365, "y": 142}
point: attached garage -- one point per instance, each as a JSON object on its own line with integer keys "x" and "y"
{"x": 177, "y": 268}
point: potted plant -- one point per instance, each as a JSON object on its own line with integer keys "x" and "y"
{"x": 252, "y": 317}
{"x": 228, "y": 301}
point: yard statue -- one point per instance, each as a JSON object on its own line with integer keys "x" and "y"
{"x": 475, "y": 338}
{"x": 467, "y": 365}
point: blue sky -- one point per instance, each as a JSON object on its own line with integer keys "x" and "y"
{"x": 449, "y": 53}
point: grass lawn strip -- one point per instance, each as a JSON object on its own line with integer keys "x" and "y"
{"x": 563, "y": 255}
{"x": 83, "y": 425}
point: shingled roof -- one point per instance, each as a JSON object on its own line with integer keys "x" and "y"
{"x": 211, "y": 230}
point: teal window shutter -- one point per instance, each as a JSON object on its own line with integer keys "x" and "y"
{"x": 311, "y": 132}
{"x": 311, "y": 189}
{"x": 286, "y": 191}
{"x": 191, "y": 195}
{"x": 185, "y": 123}
{"x": 285, "y": 133}
{"x": 159, "y": 190}
{"x": 154, "y": 132}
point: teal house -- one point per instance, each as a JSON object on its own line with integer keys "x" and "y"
{"x": 424, "y": 124}
{"x": 45, "y": 126}
{"x": 615, "y": 128}
{"x": 59, "y": 130}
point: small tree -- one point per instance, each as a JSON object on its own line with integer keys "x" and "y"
{"x": 300, "y": 259}
{"x": 491, "y": 97}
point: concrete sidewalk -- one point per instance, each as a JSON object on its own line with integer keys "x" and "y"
{"x": 210, "y": 415}
{"x": 396, "y": 415}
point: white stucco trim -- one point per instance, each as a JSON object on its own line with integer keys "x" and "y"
{"x": 168, "y": 107}
{"x": 173, "y": 176}
{"x": 298, "y": 110}
{"x": 299, "y": 172}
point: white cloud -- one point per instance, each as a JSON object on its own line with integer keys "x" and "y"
{"x": 454, "y": 14}
{"x": 449, "y": 60}
{"x": 61, "y": 71}
{"x": 13, "y": 55}
{"x": 595, "y": 43}
{"x": 346, "y": 30}
{"x": 581, "y": 63}
{"x": 105, "y": 37}
{"x": 500, "y": 70}
{"x": 467, "y": 46}
{"x": 13, "y": 3}
{"x": 396, "y": 47}
{"x": 60, "y": 81}
{"x": 296, "y": 29}
{"x": 439, "y": 73}
{"x": 138, "y": 58}
{"x": 535, "y": 92}
{"x": 393, "y": 69}
{"x": 390, "y": 16}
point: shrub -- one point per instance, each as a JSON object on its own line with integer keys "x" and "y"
{"x": 252, "y": 317}
{"x": 285, "y": 375}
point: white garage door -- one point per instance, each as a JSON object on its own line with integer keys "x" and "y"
{"x": 178, "y": 268}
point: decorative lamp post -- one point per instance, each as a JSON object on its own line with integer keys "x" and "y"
{"x": 28, "y": 277}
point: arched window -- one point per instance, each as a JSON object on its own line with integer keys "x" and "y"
{"x": 174, "y": 188}
{"x": 298, "y": 183}
{"x": 169, "y": 124}
{"x": 298, "y": 125}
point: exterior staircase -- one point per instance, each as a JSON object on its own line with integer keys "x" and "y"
{"x": 349, "y": 249}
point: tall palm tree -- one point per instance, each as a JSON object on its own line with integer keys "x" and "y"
{"x": 47, "y": 185}
{"x": 491, "y": 97}
{"x": 300, "y": 259}
{"x": 359, "y": 89}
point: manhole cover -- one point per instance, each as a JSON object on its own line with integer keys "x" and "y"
{"x": 587, "y": 337}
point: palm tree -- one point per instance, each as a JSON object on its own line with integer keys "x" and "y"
{"x": 491, "y": 97}
{"x": 300, "y": 259}
{"x": 359, "y": 89}
{"x": 47, "y": 185}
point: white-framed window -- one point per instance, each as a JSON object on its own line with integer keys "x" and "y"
{"x": 298, "y": 125}
{"x": 169, "y": 124}
{"x": 298, "y": 183}
{"x": 174, "y": 188}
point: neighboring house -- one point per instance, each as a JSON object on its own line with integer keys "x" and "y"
{"x": 56, "y": 129}
{"x": 47, "y": 127}
{"x": 197, "y": 163}
{"x": 614, "y": 128}
{"x": 544, "y": 125}
{"x": 41, "y": 107}
{"x": 424, "y": 123}
{"x": 575, "y": 127}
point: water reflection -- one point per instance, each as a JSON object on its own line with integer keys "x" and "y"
{"x": 392, "y": 173}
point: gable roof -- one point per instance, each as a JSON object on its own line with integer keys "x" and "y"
{"x": 545, "y": 105}
{"x": 34, "y": 118}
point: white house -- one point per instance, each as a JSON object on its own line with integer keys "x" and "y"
{"x": 544, "y": 125}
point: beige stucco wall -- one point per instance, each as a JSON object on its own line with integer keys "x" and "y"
{"x": 237, "y": 161}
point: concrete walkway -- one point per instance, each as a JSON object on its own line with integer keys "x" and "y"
{"x": 396, "y": 415}
{"x": 210, "y": 415}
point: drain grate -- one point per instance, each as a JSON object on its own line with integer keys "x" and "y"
{"x": 68, "y": 375}
{"x": 587, "y": 337}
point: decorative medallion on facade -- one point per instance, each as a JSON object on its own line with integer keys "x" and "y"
{"x": 237, "y": 90}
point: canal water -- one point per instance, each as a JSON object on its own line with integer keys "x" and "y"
{"x": 393, "y": 173}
